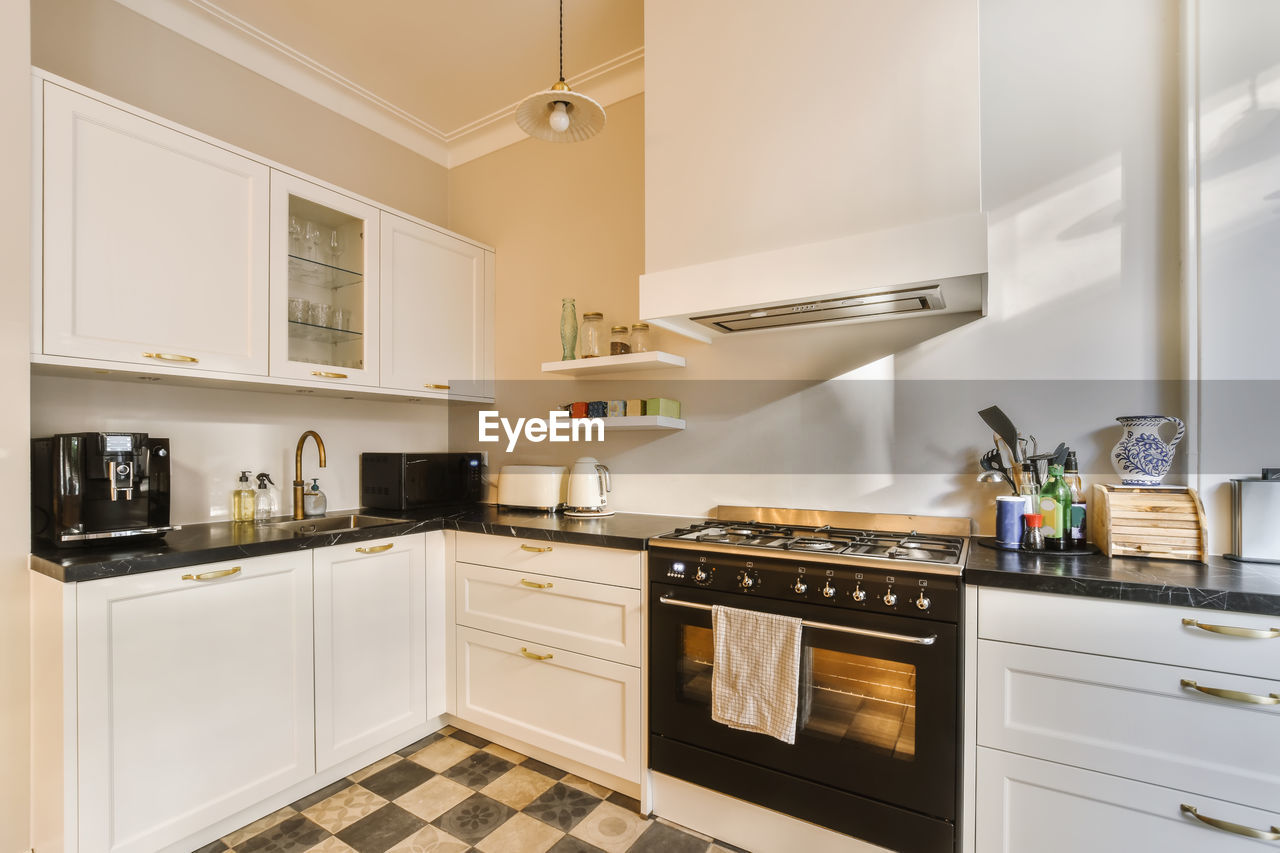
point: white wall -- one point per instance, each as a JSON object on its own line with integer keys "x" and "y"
{"x": 216, "y": 433}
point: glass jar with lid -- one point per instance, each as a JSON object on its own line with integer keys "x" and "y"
{"x": 639, "y": 337}
{"x": 619, "y": 340}
{"x": 591, "y": 334}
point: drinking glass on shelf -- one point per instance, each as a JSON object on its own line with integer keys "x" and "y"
{"x": 299, "y": 309}
{"x": 295, "y": 236}
{"x": 342, "y": 319}
{"x": 336, "y": 245}
{"x": 321, "y": 314}
{"x": 311, "y": 235}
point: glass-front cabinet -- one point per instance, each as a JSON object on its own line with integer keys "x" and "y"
{"x": 324, "y": 284}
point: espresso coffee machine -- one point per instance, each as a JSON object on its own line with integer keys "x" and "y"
{"x": 93, "y": 486}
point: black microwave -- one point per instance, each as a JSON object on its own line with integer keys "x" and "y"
{"x": 415, "y": 480}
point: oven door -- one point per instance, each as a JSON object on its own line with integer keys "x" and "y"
{"x": 877, "y": 714}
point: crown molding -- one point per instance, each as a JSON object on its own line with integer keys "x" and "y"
{"x": 206, "y": 24}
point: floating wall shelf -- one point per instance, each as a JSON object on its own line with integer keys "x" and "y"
{"x": 614, "y": 363}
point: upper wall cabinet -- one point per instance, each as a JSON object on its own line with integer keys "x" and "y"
{"x": 324, "y": 284}
{"x": 155, "y": 242}
{"x": 437, "y": 312}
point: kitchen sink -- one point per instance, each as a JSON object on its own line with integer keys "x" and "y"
{"x": 331, "y": 524}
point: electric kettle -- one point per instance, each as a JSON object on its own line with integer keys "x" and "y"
{"x": 588, "y": 488}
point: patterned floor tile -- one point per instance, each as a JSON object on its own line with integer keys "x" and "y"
{"x": 684, "y": 829}
{"x": 520, "y": 834}
{"x": 379, "y": 831}
{"x": 518, "y": 787}
{"x": 420, "y": 744}
{"x": 664, "y": 838}
{"x": 611, "y": 828}
{"x": 502, "y": 752}
{"x": 585, "y": 785}
{"x": 434, "y": 797}
{"x": 376, "y": 767}
{"x": 467, "y": 737}
{"x": 320, "y": 796}
{"x": 626, "y": 802}
{"x": 442, "y": 754}
{"x": 332, "y": 844}
{"x": 345, "y": 808}
{"x": 292, "y": 835}
{"x": 562, "y": 806}
{"x": 213, "y": 847}
{"x": 545, "y": 769}
{"x": 430, "y": 839}
{"x": 258, "y": 826}
{"x": 569, "y": 844}
{"x": 474, "y": 818}
{"x": 447, "y": 730}
{"x": 479, "y": 769}
{"x": 399, "y": 778}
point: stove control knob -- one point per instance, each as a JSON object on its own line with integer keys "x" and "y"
{"x": 702, "y": 576}
{"x": 799, "y": 587}
{"x": 923, "y": 601}
{"x": 828, "y": 590}
{"x": 890, "y": 598}
{"x": 859, "y": 594}
{"x": 748, "y": 579}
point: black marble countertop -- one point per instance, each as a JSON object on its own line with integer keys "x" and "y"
{"x": 215, "y": 542}
{"x": 1220, "y": 584}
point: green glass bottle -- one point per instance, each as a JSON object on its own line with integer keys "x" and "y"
{"x": 1055, "y": 506}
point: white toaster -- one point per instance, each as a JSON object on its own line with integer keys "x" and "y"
{"x": 531, "y": 486}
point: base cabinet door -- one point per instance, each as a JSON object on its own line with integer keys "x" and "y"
{"x": 1026, "y": 804}
{"x": 371, "y": 644}
{"x": 578, "y": 706}
{"x": 194, "y": 697}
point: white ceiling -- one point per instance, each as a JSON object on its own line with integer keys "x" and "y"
{"x": 440, "y": 76}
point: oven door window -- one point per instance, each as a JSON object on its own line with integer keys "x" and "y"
{"x": 844, "y": 697}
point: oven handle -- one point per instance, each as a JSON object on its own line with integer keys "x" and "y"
{"x": 825, "y": 626}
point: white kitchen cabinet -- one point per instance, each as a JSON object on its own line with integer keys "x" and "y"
{"x": 155, "y": 243}
{"x": 584, "y": 708}
{"x": 194, "y": 697}
{"x": 324, "y": 284}
{"x": 437, "y": 312}
{"x": 371, "y": 644}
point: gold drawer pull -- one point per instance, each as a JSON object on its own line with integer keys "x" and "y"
{"x": 1227, "y": 826}
{"x": 534, "y": 549}
{"x": 1233, "y": 631}
{"x": 1234, "y": 695}
{"x": 531, "y": 656}
{"x": 533, "y": 585}
{"x": 327, "y": 375}
{"x": 168, "y": 356}
{"x": 376, "y": 549}
{"x": 437, "y": 387}
{"x": 213, "y": 576}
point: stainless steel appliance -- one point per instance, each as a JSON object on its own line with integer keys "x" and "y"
{"x": 1255, "y": 503}
{"x": 90, "y": 486}
{"x": 876, "y": 752}
{"x": 413, "y": 480}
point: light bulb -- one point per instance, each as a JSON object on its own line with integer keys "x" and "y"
{"x": 560, "y": 118}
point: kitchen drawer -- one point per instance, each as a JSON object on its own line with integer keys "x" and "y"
{"x": 1029, "y": 805}
{"x": 1126, "y": 629}
{"x": 581, "y": 562}
{"x": 1131, "y": 719}
{"x": 589, "y": 618}
{"x": 577, "y": 706}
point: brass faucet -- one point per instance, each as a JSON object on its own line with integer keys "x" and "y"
{"x": 297, "y": 471}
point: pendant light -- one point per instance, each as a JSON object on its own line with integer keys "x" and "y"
{"x": 560, "y": 114}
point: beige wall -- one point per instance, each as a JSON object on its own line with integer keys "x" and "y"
{"x": 15, "y": 211}
{"x": 107, "y": 47}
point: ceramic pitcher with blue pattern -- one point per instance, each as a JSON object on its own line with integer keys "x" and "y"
{"x": 1141, "y": 457}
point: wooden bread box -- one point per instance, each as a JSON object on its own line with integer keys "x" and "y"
{"x": 1165, "y": 523}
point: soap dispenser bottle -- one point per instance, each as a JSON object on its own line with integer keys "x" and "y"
{"x": 314, "y": 502}
{"x": 242, "y": 499}
{"x": 264, "y": 500}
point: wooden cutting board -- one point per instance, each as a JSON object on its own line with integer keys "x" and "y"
{"x": 1166, "y": 523}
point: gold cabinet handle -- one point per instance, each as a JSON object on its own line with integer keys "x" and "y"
{"x": 534, "y": 549}
{"x": 533, "y": 585}
{"x": 1233, "y": 631}
{"x": 213, "y": 576}
{"x": 1234, "y": 695}
{"x": 327, "y": 375}
{"x": 1228, "y": 826}
{"x": 168, "y": 356}
{"x": 437, "y": 387}
{"x": 531, "y": 656}
{"x": 376, "y": 549}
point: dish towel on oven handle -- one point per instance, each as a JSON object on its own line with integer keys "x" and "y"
{"x": 755, "y": 680}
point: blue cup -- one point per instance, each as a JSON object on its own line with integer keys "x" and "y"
{"x": 1009, "y": 510}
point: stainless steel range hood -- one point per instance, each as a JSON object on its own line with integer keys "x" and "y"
{"x": 936, "y": 267}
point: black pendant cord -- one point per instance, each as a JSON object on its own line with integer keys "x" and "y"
{"x": 561, "y": 41}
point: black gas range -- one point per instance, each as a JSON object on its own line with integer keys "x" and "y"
{"x": 879, "y": 597}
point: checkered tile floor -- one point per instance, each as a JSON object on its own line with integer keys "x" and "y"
{"x": 453, "y": 792}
